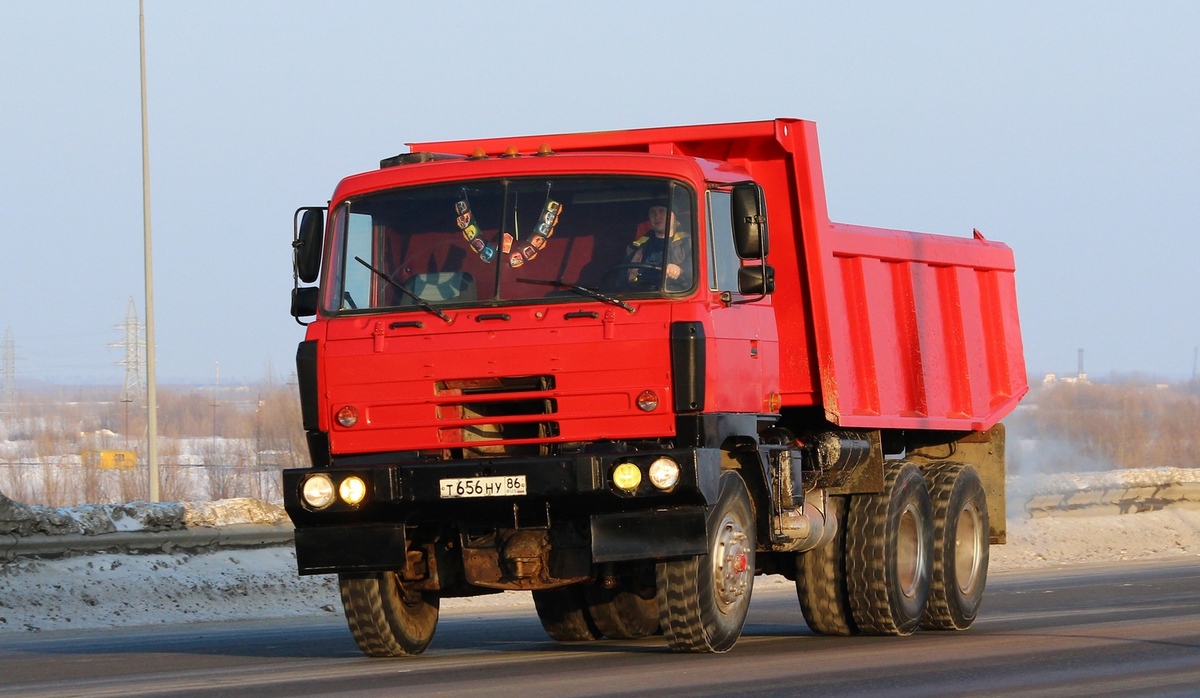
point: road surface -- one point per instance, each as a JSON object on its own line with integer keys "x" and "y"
{"x": 1084, "y": 631}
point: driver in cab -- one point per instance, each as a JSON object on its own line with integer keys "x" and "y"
{"x": 649, "y": 248}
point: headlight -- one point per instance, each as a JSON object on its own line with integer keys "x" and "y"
{"x": 664, "y": 473}
{"x": 627, "y": 477}
{"x": 347, "y": 416}
{"x": 647, "y": 401}
{"x": 353, "y": 490}
{"x": 318, "y": 491}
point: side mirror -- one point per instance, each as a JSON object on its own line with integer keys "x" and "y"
{"x": 749, "y": 211}
{"x": 756, "y": 281}
{"x": 304, "y": 301}
{"x": 307, "y": 242}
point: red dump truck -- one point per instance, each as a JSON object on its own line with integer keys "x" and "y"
{"x": 628, "y": 371}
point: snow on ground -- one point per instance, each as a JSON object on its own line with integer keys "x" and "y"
{"x": 96, "y": 591}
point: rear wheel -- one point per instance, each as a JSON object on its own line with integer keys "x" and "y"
{"x": 702, "y": 601}
{"x": 386, "y": 619}
{"x": 821, "y": 579}
{"x": 628, "y": 611}
{"x": 960, "y": 546}
{"x": 889, "y": 554}
{"x": 564, "y": 614}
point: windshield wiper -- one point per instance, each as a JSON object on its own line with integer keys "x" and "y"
{"x": 583, "y": 291}
{"x": 421, "y": 302}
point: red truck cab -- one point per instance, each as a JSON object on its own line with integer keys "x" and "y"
{"x": 628, "y": 371}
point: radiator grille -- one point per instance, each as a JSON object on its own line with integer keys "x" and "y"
{"x": 497, "y": 416}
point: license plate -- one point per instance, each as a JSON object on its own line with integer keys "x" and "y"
{"x": 503, "y": 486}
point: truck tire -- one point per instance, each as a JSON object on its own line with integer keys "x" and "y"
{"x": 703, "y": 600}
{"x": 627, "y": 612}
{"x": 889, "y": 554}
{"x": 821, "y": 580}
{"x": 564, "y": 614}
{"x": 385, "y": 619}
{"x": 960, "y": 546}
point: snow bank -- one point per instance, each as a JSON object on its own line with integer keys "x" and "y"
{"x": 1053, "y": 541}
{"x": 96, "y": 519}
{"x": 98, "y": 591}
{"x": 89, "y": 519}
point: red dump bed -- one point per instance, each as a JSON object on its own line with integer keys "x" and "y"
{"x": 881, "y": 328}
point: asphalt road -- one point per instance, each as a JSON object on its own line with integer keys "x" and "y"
{"x": 1085, "y": 631}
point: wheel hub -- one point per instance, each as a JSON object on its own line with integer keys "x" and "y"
{"x": 968, "y": 549}
{"x": 732, "y": 574}
{"x": 910, "y": 552}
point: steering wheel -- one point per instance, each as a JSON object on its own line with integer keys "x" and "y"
{"x": 613, "y": 279}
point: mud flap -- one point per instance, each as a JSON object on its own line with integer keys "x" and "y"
{"x": 648, "y": 535}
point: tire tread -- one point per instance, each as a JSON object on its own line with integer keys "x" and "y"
{"x": 821, "y": 581}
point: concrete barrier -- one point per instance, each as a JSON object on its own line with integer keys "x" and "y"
{"x": 1115, "y": 498}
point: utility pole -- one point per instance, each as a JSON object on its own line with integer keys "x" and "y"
{"x": 216, "y": 389}
{"x": 151, "y": 388}
{"x": 8, "y": 364}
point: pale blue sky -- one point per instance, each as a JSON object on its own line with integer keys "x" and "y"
{"x": 1068, "y": 130}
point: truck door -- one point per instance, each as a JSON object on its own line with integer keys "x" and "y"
{"x": 745, "y": 366}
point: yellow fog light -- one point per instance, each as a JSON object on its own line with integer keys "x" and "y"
{"x": 664, "y": 473}
{"x": 353, "y": 490}
{"x": 347, "y": 416}
{"x": 647, "y": 401}
{"x": 627, "y": 477}
{"x": 318, "y": 491}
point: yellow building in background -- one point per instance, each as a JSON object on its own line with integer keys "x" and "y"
{"x": 109, "y": 460}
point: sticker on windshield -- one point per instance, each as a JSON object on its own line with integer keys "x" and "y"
{"x": 547, "y": 219}
{"x": 470, "y": 231}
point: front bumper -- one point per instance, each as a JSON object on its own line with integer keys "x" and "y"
{"x": 404, "y": 498}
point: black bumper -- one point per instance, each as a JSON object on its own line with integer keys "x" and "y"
{"x": 406, "y": 497}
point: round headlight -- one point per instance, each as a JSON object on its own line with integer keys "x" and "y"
{"x": 627, "y": 477}
{"x": 347, "y": 416}
{"x": 318, "y": 491}
{"x": 353, "y": 490}
{"x": 647, "y": 401}
{"x": 664, "y": 473}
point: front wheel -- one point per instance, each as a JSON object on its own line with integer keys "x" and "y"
{"x": 702, "y": 601}
{"x": 386, "y": 619}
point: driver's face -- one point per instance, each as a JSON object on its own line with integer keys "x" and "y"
{"x": 658, "y": 219}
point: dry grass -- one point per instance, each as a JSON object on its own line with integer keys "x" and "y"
{"x": 255, "y": 436}
{"x": 1129, "y": 425}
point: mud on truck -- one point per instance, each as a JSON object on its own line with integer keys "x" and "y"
{"x": 579, "y": 365}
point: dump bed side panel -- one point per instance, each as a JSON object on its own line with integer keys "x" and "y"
{"x": 912, "y": 330}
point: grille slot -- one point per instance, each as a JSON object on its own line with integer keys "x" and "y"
{"x": 497, "y": 416}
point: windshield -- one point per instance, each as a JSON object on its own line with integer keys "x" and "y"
{"x": 496, "y": 241}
